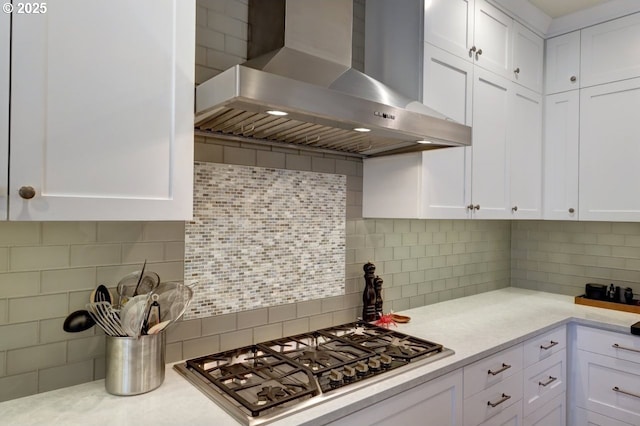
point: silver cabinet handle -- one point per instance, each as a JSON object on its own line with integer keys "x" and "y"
{"x": 549, "y": 346}
{"x": 470, "y": 207}
{"x": 548, "y": 382}
{"x": 504, "y": 367}
{"x": 617, "y": 346}
{"x": 573, "y": 78}
{"x": 472, "y": 51}
{"x": 617, "y": 389}
{"x": 514, "y": 208}
{"x": 516, "y": 71}
{"x": 504, "y": 398}
{"x": 476, "y": 207}
{"x": 572, "y": 210}
{"x": 27, "y": 192}
{"x": 478, "y": 53}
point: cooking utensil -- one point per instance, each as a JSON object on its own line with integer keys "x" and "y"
{"x": 144, "y": 266}
{"x": 174, "y": 298}
{"x": 127, "y": 285}
{"x": 106, "y": 317}
{"x": 158, "y": 327}
{"x": 101, "y": 294}
{"x": 133, "y": 313}
{"x": 78, "y": 321}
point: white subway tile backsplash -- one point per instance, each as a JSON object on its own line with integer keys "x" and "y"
{"x": 19, "y": 385}
{"x": 95, "y": 254}
{"x": 19, "y": 284}
{"x": 50, "y": 331}
{"x": 66, "y": 375}
{"x": 14, "y": 336}
{"x": 19, "y": 233}
{"x": 109, "y": 232}
{"x": 86, "y": 348}
{"x": 62, "y": 280}
{"x": 236, "y": 339}
{"x": 201, "y": 346}
{"x": 163, "y": 231}
{"x": 24, "y": 309}
{"x": 219, "y": 324}
{"x": 139, "y": 252}
{"x": 37, "y": 258}
{"x": 36, "y": 357}
{"x": 267, "y": 332}
{"x": 4, "y": 311}
{"x": 68, "y": 232}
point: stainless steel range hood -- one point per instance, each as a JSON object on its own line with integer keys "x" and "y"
{"x": 310, "y": 78}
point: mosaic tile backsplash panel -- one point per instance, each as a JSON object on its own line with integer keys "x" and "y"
{"x": 263, "y": 237}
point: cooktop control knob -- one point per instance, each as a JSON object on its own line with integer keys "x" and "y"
{"x": 385, "y": 360}
{"x": 374, "y": 364}
{"x": 335, "y": 377}
{"x": 361, "y": 368}
{"x": 349, "y": 373}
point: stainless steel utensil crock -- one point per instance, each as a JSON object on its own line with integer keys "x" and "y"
{"x": 134, "y": 365}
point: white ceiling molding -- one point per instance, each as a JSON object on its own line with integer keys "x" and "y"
{"x": 547, "y": 27}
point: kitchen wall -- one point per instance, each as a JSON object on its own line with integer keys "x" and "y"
{"x": 561, "y": 257}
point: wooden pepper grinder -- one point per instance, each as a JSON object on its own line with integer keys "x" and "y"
{"x": 377, "y": 283}
{"x": 369, "y": 294}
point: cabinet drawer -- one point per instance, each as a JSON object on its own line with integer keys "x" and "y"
{"x": 543, "y": 346}
{"x": 608, "y": 386}
{"x": 553, "y": 413}
{"x": 510, "y": 416}
{"x": 589, "y": 418}
{"x": 617, "y": 345}
{"x": 491, "y": 370}
{"x": 544, "y": 381}
{"x": 493, "y": 401}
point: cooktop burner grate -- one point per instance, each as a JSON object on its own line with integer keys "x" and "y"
{"x": 265, "y": 381}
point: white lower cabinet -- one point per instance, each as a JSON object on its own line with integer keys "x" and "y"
{"x": 437, "y": 402}
{"x": 544, "y": 381}
{"x": 606, "y": 378}
{"x": 510, "y": 416}
{"x": 589, "y": 418}
{"x": 553, "y": 413}
{"x": 492, "y": 401}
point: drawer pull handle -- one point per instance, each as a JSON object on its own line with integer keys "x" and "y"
{"x": 504, "y": 367}
{"x": 548, "y": 382}
{"x": 503, "y": 399}
{"x": 617, "y": 389}
{"x": 549, "y": 346}
{"x": 617, "y": 346}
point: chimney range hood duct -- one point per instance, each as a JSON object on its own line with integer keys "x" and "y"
{"x": 307, "y": 73}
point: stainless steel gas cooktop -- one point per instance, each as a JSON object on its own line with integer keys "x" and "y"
{"x": 265, "y": 382}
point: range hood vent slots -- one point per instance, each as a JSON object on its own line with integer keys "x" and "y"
{"x": 300, "y": 63}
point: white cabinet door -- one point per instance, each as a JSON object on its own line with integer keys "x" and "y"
{"x": 608, "y": 386}
{"x": 492, "y": 39}
{"x": 510, "y": 416}
{"x": 448, "y": 24}
{"x": 562, "y": 58}
{"x": 5, "y": 40}
{"x": 102, "y": 111}
{"x": 611, "y": 51}
{"x": 525, "y": 147}
{"x": 391, "y": 186}
{"x": 561, "y": 151}
{"x": 609, "y": 154}
{"x": 448, "y": 84}
{"x": 528, "y": 55}
{"x": 438, "y": 402}
{"x": 490, "y": 163}
{"x": 448, "y": 88}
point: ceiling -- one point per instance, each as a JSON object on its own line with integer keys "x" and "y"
{"x": 556, "y": 8}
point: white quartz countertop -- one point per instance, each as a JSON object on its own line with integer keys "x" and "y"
{"x": 474, "y": 327}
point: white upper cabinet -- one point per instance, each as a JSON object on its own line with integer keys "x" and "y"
{"x": 490, "y": 164}
{"x": 492, "y": 39}
{"x": 102, "y": 111}
{"x": 562, "y": 68}
{"x": 611, "y": 51}
{"x": 528, "y": 53}
{"x": 448, "y": 24}
{"x": 561, "y": 150}
{"x": 609, "y": 153}
{"x": 525, "y": 148}
{"x": 5, "y": 38}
